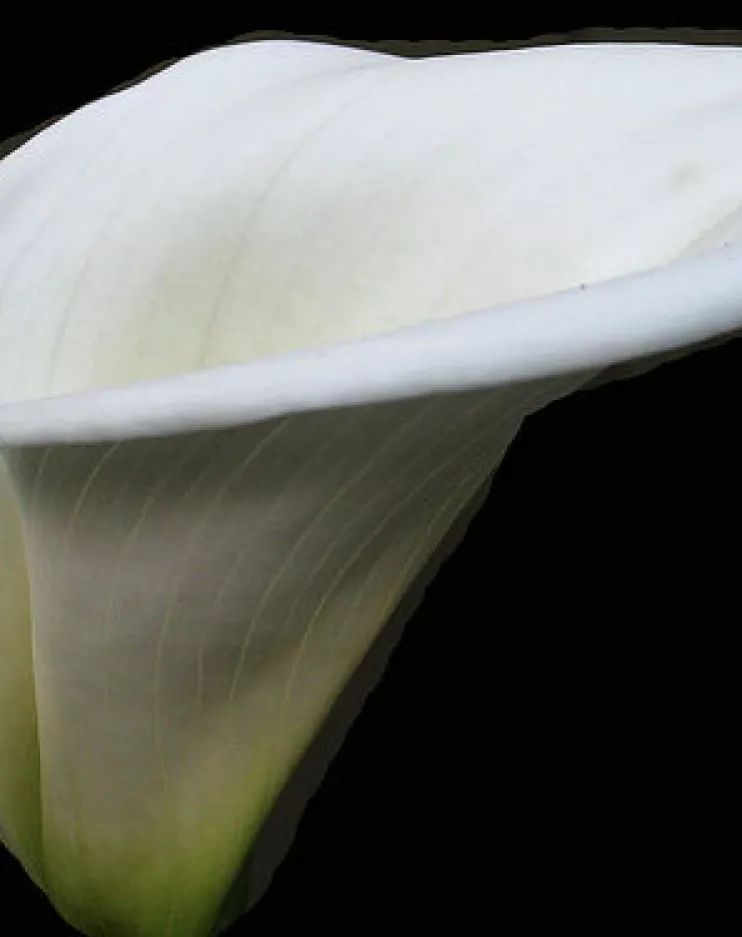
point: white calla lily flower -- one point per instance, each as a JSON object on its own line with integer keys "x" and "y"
{"x": 269, "y": 322}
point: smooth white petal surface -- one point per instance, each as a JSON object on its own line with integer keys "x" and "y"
{"x": 257, "y": 199}
{"x": 236, "y": 424}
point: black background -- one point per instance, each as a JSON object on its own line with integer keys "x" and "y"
{"x": 559, "y": 724}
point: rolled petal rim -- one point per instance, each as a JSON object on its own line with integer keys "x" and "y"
{"x": 687, "y": 302}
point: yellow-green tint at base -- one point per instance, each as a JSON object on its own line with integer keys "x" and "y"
{"x": 19, "y": 768}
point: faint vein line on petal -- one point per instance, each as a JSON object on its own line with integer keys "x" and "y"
{"x": 276, "y": 578}
{"x": 69, "y": 774}
{"x": 451, "y": 430}
{"x": 34, "y": 533}
{"x": 80, "y": 279}
{"x": 268, "y": 439}
{"x": 238, "y": 563}
{"x": 513, "y": 201}
{"x": 400, "y": 432}
{"x": 138, "y": 172}
{"x": 110, "y": 616}
{"x": 82, "y": 276}
{"x": 106, "y": 628}
{"x": 212, "y": 165}
{"x": 84, "y": 492}
{"x": 131, "y": 538}
{"x": 440, "y": 469}
{"x": 77, "y": 508}
{"x": 290, "y": 276}
{"x": 524, "y": 405}
{"x": 280, "y": 171}
{"x": 470, "y": 484}
{"x": 136, "y": 104}
{"x": 94, "y": 153}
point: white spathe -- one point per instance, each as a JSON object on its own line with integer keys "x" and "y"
{"x": 268, "y": 321}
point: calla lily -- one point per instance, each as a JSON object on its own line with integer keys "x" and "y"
{"x": 269, "y": 321}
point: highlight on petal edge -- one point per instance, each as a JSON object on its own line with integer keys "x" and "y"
{"x": 269, "y": 321}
